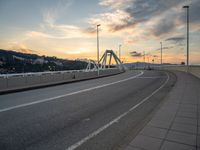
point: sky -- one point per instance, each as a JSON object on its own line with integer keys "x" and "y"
{"x": 67, "y": 28}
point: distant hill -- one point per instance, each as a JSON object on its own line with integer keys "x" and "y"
{"x": 17, "y": 62}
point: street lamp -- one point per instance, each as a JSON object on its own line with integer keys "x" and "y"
{"x": 98, "y": 47}
{"x": 161, "y": 53}
{"x": 187, "y": 8}
{"x": 144, "y": 59}
{"x": 120, "y": 51}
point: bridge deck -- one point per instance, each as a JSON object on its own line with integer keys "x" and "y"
{"x": 100, "y": 114}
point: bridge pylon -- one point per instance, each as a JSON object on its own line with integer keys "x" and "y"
{"x": 107, "y": 60}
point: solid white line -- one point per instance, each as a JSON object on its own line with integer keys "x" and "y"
{"x": 152, "y": 77}
{"x": 69, "y": 94}
{"x": 93, "y": 134}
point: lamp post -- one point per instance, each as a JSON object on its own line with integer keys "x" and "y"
{"x": 98, "y": 47}
{"x": 144, "y": 59}
{"x": 120, "y": 51}
{"x": 187, "y": 8}
{"x": 160, "y": 53}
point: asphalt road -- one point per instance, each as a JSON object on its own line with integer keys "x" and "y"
{"x": 98, "y": 114}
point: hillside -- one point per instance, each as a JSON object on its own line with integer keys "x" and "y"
{"x": 16, "y": 62}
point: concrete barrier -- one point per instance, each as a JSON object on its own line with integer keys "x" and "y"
{"x": 16, "y": 82}
{"x": 85, "y": 75}
{"x": 195, "y": 70}
{"x": 24, "y": 81}
{"x": 58, "y": 77}
{"x": 3, "y": 83}
{"x": 107, "y": 72}
{"x": 69, "y": 76}
{"x": 46, "y": 78}
{"x": 33, "y": 80}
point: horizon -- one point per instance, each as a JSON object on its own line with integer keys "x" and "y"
{"x": 80, "y": 59}
{"x": 67, "y": 28}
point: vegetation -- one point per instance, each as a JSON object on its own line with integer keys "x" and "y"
{"x": 16, "y": 62}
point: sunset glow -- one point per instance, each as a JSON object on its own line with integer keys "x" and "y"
{"x": 67, "y": 28}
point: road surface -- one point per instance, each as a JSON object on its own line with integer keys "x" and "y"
{"x": 97, "y": 114}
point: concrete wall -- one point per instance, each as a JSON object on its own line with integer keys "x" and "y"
{"x": 195, "y": 70}
{"x": 85, "y": 75}
{"x": 16, "y": 82}
{"x": 33, "y": 80}
{"x": 3, "y": 83}
{"x": 107, "y": 72}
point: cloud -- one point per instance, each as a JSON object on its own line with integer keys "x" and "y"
{"x": 165, "y": 48}
{"x": 57, "y": 31}
{"x": 136, "y": 54}
{"x": 139, "y": 11}
{"x": 132, "y": 21}
{"x": 157, "y": 17}
{"x": 90, "y": 30}
{"x": 143, "y": 10}
{"x": 116, "y": 4}
{"x": 51, "y": 14}
{"x": 164, "y": 24}
{"x": 49, "y": 28}
{"x": 112, "y": 21}
{"x": 79, "y": 51}
{"x": 193, "y": 11}
{"x": 176, "y": 39}
{"x": 20, "y": 47}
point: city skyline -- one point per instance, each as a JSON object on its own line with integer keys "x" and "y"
{"x": 67, "y": 28}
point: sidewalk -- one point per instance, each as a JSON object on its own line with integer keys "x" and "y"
{"x": 176, "y": 125}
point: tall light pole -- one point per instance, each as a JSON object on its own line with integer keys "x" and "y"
{"x": 98, "y": 47}
{"x": 120, "y": 51}
{"x": 161, "y": 53}
{"x": 144, "y": 59}
{"x": 187, "y": 8}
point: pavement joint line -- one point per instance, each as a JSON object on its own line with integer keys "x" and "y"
{"x": 179, "y": 142}
{"x": 69, "y": 94}
{"x": 99, "y": 130}
{"x": 182, "y": 131}
{"x": 157, "y": 127}
{"x": 150, "y": 136}
{"x": 138, "y": 147}
{"x": 169, "y": 129}
{"x": 166, "y": 133}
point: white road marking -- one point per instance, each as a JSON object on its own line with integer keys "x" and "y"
{"x": 152, "y": 77}
{"x": 69, "y": 94}
{"x": 93, "y": 134}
